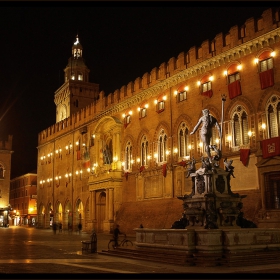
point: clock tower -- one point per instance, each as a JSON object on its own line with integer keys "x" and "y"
{"x": 76, "y": 92}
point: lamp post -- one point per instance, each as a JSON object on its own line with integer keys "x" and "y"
{"x": 222, "y": 121}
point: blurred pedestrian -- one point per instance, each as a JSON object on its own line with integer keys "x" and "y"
{"x": 54, "y": 228}
{"x": 79, "y": 227}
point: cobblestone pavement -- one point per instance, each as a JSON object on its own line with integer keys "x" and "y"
{"x": 26, "y": 250}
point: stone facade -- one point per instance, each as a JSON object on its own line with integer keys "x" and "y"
{"x": 128, "y": 150}
{"x": 5, "y": 174}
{"x": 23, "y": 200}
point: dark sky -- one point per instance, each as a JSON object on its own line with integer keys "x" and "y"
{"x": 121, "y": 41}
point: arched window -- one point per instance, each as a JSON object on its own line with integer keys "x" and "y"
{"x": 265, "y": 66}
{"x": 144, "y": 151}
{"x": 273, "y": 116}
{"x": 240, "y": 126}
{"x": 183, "y": 140}
{"x": 162, "y": 147}
{"x": 80, "y": 76}
{"x": 233, "y": 79}
{"x": 2, "y": 171}
{"x": 128, "y": 156}
{"x": 205, "y": 85}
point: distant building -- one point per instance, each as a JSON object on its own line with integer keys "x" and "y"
{"x": 5, "y": 173}
{"x": 122, "y": 157}
{"x": 23, "y": 200}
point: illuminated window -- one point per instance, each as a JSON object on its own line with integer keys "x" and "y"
{"x": 182, "y": 96}
{"x": 127, "y": 120}
{"x": 160, "y": 106}
{"x": 142, "y": 113}
{"x": 80, "y": 76}
{"x": 240, "y": 126}
{"x": 144, "y": 151}
{"x": 162, "y": 147}
{"x": 266, "y": 69}
{"x": 128, "y": 156}
{"x": 183, "y": 140}
{"x": 206, "y": 86}
{"x": 266, "y": 64}
{"x": 273, "y": 116}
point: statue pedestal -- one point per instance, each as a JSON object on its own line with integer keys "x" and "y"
{"x": 212, "y": 205}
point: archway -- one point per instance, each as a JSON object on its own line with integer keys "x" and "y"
{"x": 79, "y": 213}
{"x": 68, "y": 217}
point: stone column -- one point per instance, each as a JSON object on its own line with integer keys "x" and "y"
{"x": 111, "y": 204}
{"x": 107, "y": 205}
{"x": 93, "y": 205}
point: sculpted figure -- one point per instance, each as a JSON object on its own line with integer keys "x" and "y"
{"x": 208, "y": 122}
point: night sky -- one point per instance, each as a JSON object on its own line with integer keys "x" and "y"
{"x": 121, "y": 41}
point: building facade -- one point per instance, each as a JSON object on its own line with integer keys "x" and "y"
{"x": 23, "y": 200}
{"x": 5, "y": 173}
{"x": 123, "y": 157}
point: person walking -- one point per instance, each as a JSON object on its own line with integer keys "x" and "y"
{"x": 54, "y": 228}
{"x": 79, "y": 227}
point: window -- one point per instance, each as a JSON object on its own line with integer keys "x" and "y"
{"x": 144, "y": 151}
{"x": 183, "y": 140}
{"x": 162, "y": 147}
{"x": 266, "y": 69}
{"x": 127, "y": 120}
{"x": 2, "y": 171}
{"x": 142, "y": 113}
{"x": 233, "y": 79}
{"x": 160, "y": 106}
{"x": 266, "y": 64}
{"x": 273, "y": 116}
{"x": 80, "y": 76}
{"x": 128, "y": 156}
{"x": 206, "y": 86}
{"x": 182, "y": 96}
{"x": 240, "y": 126}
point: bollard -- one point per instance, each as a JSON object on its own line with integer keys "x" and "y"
{"x": 93, "y": 242}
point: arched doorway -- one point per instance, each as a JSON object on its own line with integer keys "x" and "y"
{"x": 68, "y": 217}
{"x": 79, "y": 217}
{"x": 100, "y": 211}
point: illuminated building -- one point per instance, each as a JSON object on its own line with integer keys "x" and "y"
{"x": 5, "y": 173}
{"x": 23, "y": 200}
{"x": 122, "y": 157}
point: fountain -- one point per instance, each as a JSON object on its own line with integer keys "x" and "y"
{"x": 212, "y": 230}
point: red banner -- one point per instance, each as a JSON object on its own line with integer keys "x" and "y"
{"x": 183, "y": 163}
{"x": 208, "y": 93}
{"x": 267, "y": 78}
{"x": 271, "y": 147}
{"x": 142, "y": 168}
{"x": 234, "y": 89}
{"x": 164, "y": 169}
{"x": 78, "y": 155}
{"x": 244, "y": 156}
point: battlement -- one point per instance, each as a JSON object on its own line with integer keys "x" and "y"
{"x": 6, "y": 145}
{"x": 254, "y": 33}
